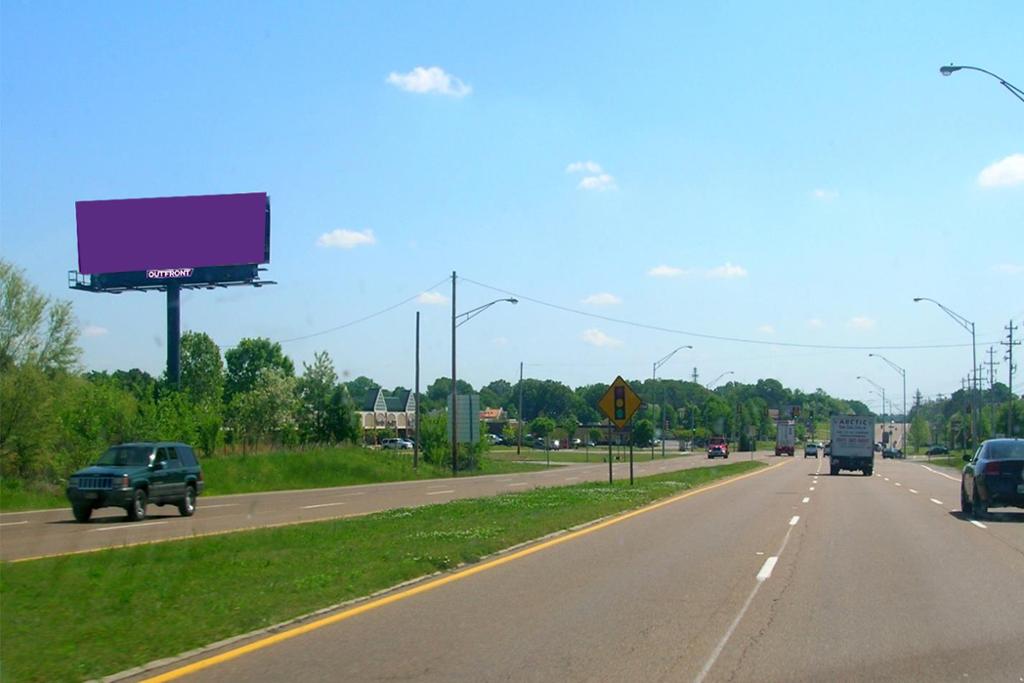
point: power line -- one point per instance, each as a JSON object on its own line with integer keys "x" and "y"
{"x": 364, "y": 318}
{"x": 701, "y": 335}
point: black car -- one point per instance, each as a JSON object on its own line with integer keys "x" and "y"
{"x": 937, "y": 450}
{"x": 993, "y": 477}
{"x": 893, "y": 453}
{"x": 133, "y": 475}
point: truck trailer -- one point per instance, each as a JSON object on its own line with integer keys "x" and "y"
{"x": 785, "y": 439}
{"x": 853, "y": 444}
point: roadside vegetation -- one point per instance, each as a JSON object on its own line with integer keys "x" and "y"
{"x": 205, "y": 589}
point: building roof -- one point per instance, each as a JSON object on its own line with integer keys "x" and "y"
{"x": 379, "y": 400}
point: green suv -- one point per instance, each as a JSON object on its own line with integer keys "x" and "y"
{"x": 132, "y": 475}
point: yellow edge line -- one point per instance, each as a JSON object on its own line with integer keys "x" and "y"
{"x": 431, "y": 585}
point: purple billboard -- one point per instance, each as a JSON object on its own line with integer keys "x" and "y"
{"x": 171, "y": 235}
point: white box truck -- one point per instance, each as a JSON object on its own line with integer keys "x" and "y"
{"x": 785, "y": 438}
{"x": 853, "y": 444}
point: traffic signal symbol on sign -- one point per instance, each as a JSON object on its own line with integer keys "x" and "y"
{"x": 620, "y": 403}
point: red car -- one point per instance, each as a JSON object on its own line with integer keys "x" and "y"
{"x": 718, "y": 447}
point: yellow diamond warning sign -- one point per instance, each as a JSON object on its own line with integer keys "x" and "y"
{"x": 619, "y": 403}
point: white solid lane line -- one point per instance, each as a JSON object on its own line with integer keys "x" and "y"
{"x": 437, "y": 493}
{"x": 978, "y": 524}
{"x": 127, "y": 526}
{"x": 806, "y": 499}
{"x": 794, "y": 520}
{"x": 937, "y": 502}
{"x": 321, "y": 505}
{"x": 24, "y": 521}
{"x": 767, "y": 568}
{"x": 941, "y": 474}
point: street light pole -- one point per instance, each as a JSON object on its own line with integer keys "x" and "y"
{"x": 712, "y": 382}
{"x": 466, "y": 317}
{"x": 903, "y": 374}
{"x": 880, "y": 389}
{"x": 969, "y": 326}
{"x": 654, "y": 375}
{"x": 1017, "y": 92}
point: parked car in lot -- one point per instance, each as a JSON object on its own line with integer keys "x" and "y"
{"x": 395, "y": 444}
{"x": 937, "y": 450}
{"x": 494, "y": 439}
{"x": 132, "y": 475}
{"x": 993, "y": 477}
{"x": 718, "y": 447}
{"x": 811, "y": 449}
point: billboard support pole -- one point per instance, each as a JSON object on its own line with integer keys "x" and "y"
{"x": 174, "y": 335}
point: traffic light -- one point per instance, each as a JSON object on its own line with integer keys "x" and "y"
{"x": 620, "y": 403}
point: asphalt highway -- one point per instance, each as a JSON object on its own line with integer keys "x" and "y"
{"x": 787, "y": 574}
{"x": 34, "y": 534}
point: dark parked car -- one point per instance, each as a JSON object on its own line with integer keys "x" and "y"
{"x": 993, "y": 477}
{"x": 133, "y": 475}
{"x": 892, "y": 453}
{"x": 937, "y": 450}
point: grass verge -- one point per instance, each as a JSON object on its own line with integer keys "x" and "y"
{"x": 594, "y": 455}
{"x": 281, "y": 471}
{"x": 69, "y": 618}
{"x": 955, "y": 462}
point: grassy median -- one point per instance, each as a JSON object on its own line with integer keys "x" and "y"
{"x": 283, "y": 471}
{"x": 82, "y": 616}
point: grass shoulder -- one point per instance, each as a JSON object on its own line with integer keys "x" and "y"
{"x": 280, "y": 471}
{"x": 61, "y": 615}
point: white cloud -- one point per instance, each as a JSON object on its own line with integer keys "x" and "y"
{"x": 1003, "y": 173}
{"x": 431, "y": 79}
{"x": 598, "y": 183}
{"x": 824, "y": 195}
{"x": 94, "y": 331}
{"x": 602, "y": 299}
{"x": 345, "y": 239}
{"x": 727, "y": 271}
{"x": 665, "y": 271}
{"x": 815, "y": 323}
{"x": 598, "y": 338}
{"x": 766, "y": 329}
{"x": 861, "y": 322}
{"x": 1009, "y": 268}
{"x": 431, "y": 298}
{"x": 579, "y": 166}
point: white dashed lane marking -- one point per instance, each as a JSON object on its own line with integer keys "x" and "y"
{"x": 437, "y": 493}
{"x": 24, "y": 521}
{"x": 806, "y": 499}
{"x": 937, "y": 502}
{"x": 767, "y": 568}
{"x": 912, "y": 490}
{"x": 978, "y": 524}
{"x": 321, "y": 505}
{"x": 127, "y": 526}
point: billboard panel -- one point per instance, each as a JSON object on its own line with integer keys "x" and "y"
{"x": 172, "y": 233}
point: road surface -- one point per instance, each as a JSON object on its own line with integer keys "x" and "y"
{"x": 54, "y": 532}
{"x": 787, "y": 574}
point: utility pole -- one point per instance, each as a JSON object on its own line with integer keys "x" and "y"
{"x": 416, "y": 443}
{"x": 519, "y": 446}
{"x": 455, "y": 398}
{"x": 991, "y": 385}
{"x": 1009, "y": 344}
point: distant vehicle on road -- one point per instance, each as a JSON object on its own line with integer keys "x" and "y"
{"x": 827, "y": 449}
{"x": 892, "y": 453}
{"x": 395, "y": 444}
{"x": 811, "y": 449}
{"x": 937, "y": 450}
{"x": 718, "y": 447}
{"x": 132, "y": 475}
{"x": 785, "y": 439}
{"x": 993, "y": 477}
{"x": 853, "y": 444}
{"x": 494, "y": 439}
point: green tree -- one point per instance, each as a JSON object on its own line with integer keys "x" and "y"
{"x": 28, "y": 424}
{"x": 570, "y": 424}
{"x": 315, "y": 390}
{"x": 248, "y": 360}
{"x": 341, "y": 421}
{"x": 267, "y": 410}
{"x": 34, "y": 329}
{"x": 433, "y": 438}
{"x": 919, "y": 431}
{"x": 542, "y": 427}
{"x": 642, "y": 432}
{"x": 202, "y": 370}
{"x": 360, "y": 387}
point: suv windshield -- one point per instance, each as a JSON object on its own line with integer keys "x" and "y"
{"x": 126, "y": 455}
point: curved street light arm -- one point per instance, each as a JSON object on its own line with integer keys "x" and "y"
{"x": 712, "y": 382}
{"x": 473, "y": 312}
{"x": 891, "y": 364}
{"x": 964, "y": 322}
{"x": 662, "y": 361}
{"x": 1017, "y": 92}
{"x": 874, "y": 384}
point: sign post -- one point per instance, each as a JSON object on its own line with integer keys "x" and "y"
{"x": 619, "y": 404}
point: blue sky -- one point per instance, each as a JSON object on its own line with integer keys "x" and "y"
{"x": 781, "y": 172}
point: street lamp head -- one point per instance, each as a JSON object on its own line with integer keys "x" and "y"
{"x": 947, "y": 70}
{"x": 871, "y": 355}
{"x": 918, "y": 298}
{"x": 512, "y": 300}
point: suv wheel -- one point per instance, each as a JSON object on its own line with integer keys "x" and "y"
{"x": 137, "y": 508}
{"x": 82, "y": 513}
{"x": 187, "y": 506}
{"x": 965, "y": 504}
